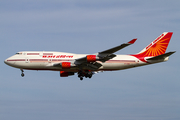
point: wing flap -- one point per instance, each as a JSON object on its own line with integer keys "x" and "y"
{"x": 93, "y": 66}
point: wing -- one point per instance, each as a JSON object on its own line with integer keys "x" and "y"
{"x": 108, "y": 54}
{"x": 89, "y": 61}
{"x": 115, "y": 49}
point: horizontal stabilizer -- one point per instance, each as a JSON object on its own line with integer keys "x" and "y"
{"x": 160, "y": 57}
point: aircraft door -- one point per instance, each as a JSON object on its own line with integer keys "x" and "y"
{"x": 49, "y": 60}
{"x": 27, "y": 60}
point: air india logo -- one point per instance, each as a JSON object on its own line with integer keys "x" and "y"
{"x": 157, "y": 47}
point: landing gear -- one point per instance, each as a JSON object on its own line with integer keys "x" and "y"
{"x": 81, "y": 78}
{"x": 86, "y": 74}
{"x": 22, "y": 74}
{"x": 80, "y": 75}
{"x": 89, "y": 74}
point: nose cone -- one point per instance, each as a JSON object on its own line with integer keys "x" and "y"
{"x": 9, "y": 62}
{"x": 6, "y": 62}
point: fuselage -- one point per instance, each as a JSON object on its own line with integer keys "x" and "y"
{"x": 44, "y": 60}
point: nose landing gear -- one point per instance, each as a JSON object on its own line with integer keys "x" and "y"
{"x": 22, "y": 74}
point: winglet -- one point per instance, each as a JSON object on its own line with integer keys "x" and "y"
{"x": 132, "y": 41}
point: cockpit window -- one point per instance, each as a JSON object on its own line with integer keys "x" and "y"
{"x": 18, "y": 53}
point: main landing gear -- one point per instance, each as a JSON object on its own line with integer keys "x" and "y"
{"x": 86, "y": 74}
{"x": 22, "y": 74}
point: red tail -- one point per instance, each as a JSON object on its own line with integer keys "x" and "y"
{"x": 157, "y": 47}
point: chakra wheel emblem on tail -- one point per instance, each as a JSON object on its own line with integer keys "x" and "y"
{"x": 157, "y": 47}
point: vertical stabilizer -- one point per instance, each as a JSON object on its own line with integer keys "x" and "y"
{"x": 157, "y": 47}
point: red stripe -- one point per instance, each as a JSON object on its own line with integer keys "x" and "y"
{"x": 38, "y": 60}
{"x": 60, "y": 60}
{"x": 47, "y": 53}
{"x": 16, "y": 60}
{"x": 32, "y": 53}
{"x": 123, "y": 60}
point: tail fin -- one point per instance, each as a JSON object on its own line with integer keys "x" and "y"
{"x": 157, "y": 47}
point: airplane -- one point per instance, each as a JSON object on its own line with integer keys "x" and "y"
{"x": 86, "y": 65}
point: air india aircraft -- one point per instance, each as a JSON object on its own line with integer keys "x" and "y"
{"x": 85, "y": 65}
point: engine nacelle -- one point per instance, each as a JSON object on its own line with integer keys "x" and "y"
{"x": 91, "y": 58}
{"x": 66, "y": 74}
{"x": 66, "y": 65}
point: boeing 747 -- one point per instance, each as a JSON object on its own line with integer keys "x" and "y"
{"x": 85, "y": 65}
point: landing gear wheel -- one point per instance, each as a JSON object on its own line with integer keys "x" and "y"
{"x": 81, "y": 78}
{"x": 22, "y": 74}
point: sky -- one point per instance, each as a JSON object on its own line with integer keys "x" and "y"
{"x": 79, "y": 26}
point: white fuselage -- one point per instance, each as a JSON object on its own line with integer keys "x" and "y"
{"x": 38, "y": 60}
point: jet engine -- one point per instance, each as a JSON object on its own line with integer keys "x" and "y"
{"x": 66, "y": 74}
{"x": 66, "y": 65}
{"x": 91, "y": 58}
